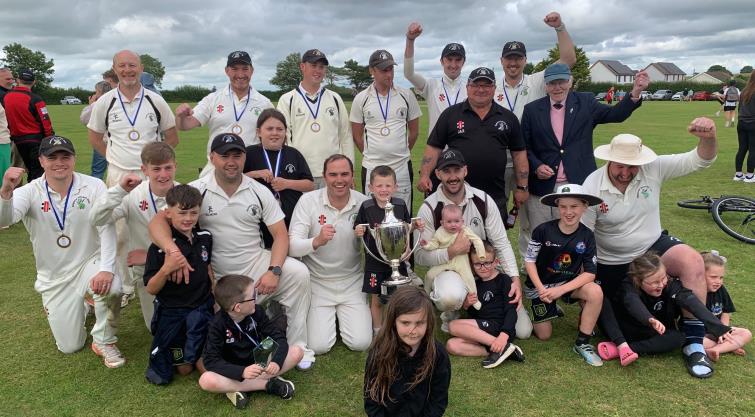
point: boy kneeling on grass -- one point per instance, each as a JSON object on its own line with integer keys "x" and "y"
{"x": 490, "y": 331}
{"x": 235, "y": 331}
{"x": 179, "y": 324}
{"x": 561, "y": 263}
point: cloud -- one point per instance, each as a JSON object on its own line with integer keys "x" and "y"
{"x": 192, "y": 38}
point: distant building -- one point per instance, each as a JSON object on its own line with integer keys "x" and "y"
{"x": 710, "y": 77}
{"x": 607, "y": 71}
{"x": 665, "y": 71}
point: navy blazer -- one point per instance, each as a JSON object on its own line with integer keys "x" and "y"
{"x": 583, "y": 113}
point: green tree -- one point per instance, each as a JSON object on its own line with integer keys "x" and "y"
{"x": 334, "y": 75}
{"x": 580, "y": 71}
{"x": 358, "y": 75}
{"x": 287, "y": 73}
{"x": 746, "y": 69}
{"x": 18, "y": 57}
{"x": 528, "y": 68}
{"x": 718, "y": 68}
{"x": 153, "y": 66}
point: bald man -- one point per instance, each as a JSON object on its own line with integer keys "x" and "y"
{"x": 129, "y": 117}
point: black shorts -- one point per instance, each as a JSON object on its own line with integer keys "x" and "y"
{"x": 542, "y": 311}
{"x": 730, "y": 108}
{"x": 491, "y": 327}
{"x": 372, "y": 281}
{"x": 664, "y": 243}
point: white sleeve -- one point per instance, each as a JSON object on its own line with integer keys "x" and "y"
{"x": 109, "y": 207}
{"x": 344, "y": 130}
{"x": 672, "y": 166}
{"x": 13, "y": 210}
{"x": 167, "y": 118}
{"x": 414, "y": 111}
{"x": 86, "y": 114}
{"x": 97, "y": 115}
{"x": 107, "y": 247}
{"x": 495, "y": 232}
{"x": 433, "y": 257}
{"x": 202, "y": 110}
{"x": 417, "y": 80}
{"x": 283, "y": 107}
{"x": 299, "y": 241}
{"x": 271, "y": 210}
{"x": 356, "y": 115}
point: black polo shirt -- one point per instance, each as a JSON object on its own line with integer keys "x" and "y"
{"x": 198, "y": 254}
{"x": 482, "y": 142}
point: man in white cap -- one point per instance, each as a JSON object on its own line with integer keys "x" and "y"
{"x": 228, "y": 110}
{"x": 385, "y": 125}
{"x": 318, "y": 121}
{"x": 440, "y": 93}
{"x": 628, "y": 221}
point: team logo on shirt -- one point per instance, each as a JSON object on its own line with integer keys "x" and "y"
{"x": 658, "y": 306}
{"x": 151, "y": 117}
{"x": 476, "y": 221}
{"x": 211, "y": 211}
{"x": 81, "y": 202}
{"x": 488, "y": 296}
{"x": 220, "y": 108}
{"x": 580, "y": 247}
{"x": 499, "y": 97}
{"x": 603, "y": 207}
{"x": 114, "y": 117}
{"x": 549, "y": 243}
{"x": 256, "y": 111}
{"x": 45, "y": 206}
{"x": 524, "y": 90}
{"x": 331, "y": 111}
{"x": 501, "y": 125}
{"x": 229, "y": 336}
{"x": 716, "y": 309}
{"x": 290, "y": 168}
{"x": 401, "y": 112}
{"x": 442, "y": 97}
{"x": 484, "y": 323}
{"x": 373, "y": 280}
{"x": 644, "y": 191}
{"x": 254, "y": 209}
{"x": 562, "y": 263}
{"x": 205, "y": 254}
{"x": 460, "y": 127}
{"x": 299, "y": 112}
{"x": 322, "y": 219}
{"x": 352, "y": 217}
{"x": 143, "y": 206}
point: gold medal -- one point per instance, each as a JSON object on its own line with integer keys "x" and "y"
{"x": 134, "y": 135}
{"x": 315, "y": 127}
{"x": 236, "y": 129}
{"x": 64, "y": 241}
{"x": 385, "y": 131}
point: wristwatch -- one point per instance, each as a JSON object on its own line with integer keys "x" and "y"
{"x": 277, "y": 271}
{"x": 522, "y": 187}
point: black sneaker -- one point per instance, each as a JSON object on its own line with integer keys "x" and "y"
{"x": 280, "y": 387}
{"x": 238, "y": 399}
{"x": 495, "y": 359}
{"x": 518, "y": 355}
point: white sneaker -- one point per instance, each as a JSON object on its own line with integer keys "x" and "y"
{"x": 447, "y": 317}
{"x": 126, "y": 298}
{"x": 750, "y": 179}
{"x": 305, "y": 365}
{"x": 738, "y": 177}
{"x": 718, "y": 113}
{"x": 110, "y": 354}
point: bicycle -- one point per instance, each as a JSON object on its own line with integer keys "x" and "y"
{"x": 734, "y": 214}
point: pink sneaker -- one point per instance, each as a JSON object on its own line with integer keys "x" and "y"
{"x": 608, "y": 351}
{"x": 627, "y": 356}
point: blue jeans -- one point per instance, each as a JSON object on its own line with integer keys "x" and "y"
{"x": 99, "y": 165}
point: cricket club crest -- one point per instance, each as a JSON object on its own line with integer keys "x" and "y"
{"x": 205, "y": 254}
{"x": 290, "y": 168}
{"x": 253, "y": 209}
{"x": 220, "y": 108}
{"x": 81, "y": 203}
{"x": 501, "y": 125}
{"x": 442, "y": 97}
{"x": 143, "y": 206}
{"x": 331, "y": 111}
{"x": 45, "y": 206}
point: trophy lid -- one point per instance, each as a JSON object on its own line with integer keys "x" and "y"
{"x": 389, "y": 216}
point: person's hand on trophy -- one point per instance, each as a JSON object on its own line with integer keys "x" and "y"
{"x": 359, "y": 230}
{"x": 253, "y": 371}
{"x": 419, "y": 225}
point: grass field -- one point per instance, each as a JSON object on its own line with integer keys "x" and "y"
{"x": 37, "y": 380}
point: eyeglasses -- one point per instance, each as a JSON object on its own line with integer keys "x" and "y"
{"x": 254, "y": 298}
{"x": 487, "y": 265}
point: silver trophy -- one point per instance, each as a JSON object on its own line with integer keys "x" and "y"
{"x": 393, "y": 240}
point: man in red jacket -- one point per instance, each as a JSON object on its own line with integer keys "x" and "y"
{"x": 28, "y": 121}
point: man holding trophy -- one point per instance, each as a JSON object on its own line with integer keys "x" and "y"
{"x": 321, "y": 234}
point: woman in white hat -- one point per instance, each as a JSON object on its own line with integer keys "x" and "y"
{"x": 628, "y": 222}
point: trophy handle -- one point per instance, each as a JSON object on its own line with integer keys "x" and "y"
{"x": 368, "y": 229}
{"x": 416, "y": 244}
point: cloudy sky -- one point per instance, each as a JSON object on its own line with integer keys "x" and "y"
{"x": 193, "y": 37}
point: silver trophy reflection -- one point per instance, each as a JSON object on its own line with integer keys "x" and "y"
{"x": 393, "y": 240}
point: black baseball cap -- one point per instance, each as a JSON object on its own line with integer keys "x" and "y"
{"x": 454, "y": 49}
{"x": 313, "y": 56}
{"x": 27, "y": 75}
{"x": 225, "y": 142}
{"x": 52, "y": 144}
{"x": 381, "y": 59}
{"x": 482, "y": 73}
{"x": 238, "y": 57}
{"x": 514, "y": 48}
{"x": 450, "y": 157}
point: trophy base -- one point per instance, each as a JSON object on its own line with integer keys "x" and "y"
{"x": 389, "y": 286}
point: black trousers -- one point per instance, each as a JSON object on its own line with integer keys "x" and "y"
{"x": 746, "y": 138}
{"x": 29, "y": 152}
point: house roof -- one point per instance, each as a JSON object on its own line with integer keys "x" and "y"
{"x": 668, "y": 68}
{"x": 616, "y": 67}
{"x": 723, "y": 76}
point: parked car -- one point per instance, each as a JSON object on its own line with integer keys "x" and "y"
{"x": 702, "y": 96}
{"x": 619, "y": 96}
{"x": 645, "y": 95}
{"x": 662, "y": 95}
{"x": 600, "y": 96}
{"x": 70, "y": 100}
{"x": 677, "y": 96}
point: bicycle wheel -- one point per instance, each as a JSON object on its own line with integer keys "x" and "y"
{"x": 702, "y": 203}
{"x": 736, "y": 216}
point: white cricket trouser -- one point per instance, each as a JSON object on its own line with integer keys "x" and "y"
{"x": 403, "y": 182}
{"x": 66, "y": 312}
{"x": 342, "y": 299}
{"x": 448, "y": 294}
{"x": 114, "y": 175}
{"x": 146, "y": 300}
{"x": 293, "y": 294}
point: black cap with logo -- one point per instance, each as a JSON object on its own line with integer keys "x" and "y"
{"x": 52, "y": 144}
{"x": 225, "y": 142}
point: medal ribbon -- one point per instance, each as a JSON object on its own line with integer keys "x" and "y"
{"x": 233, "y": 101}
{"x": 448, "y": 98}
{"x": 518, "y": 87}
{"x": 247, "y": 334}
{"x": 306, "y": 101}
{"x": 152, "y": 199}
{"x": 139, "y": 107}
{"x": 61, "y": 224}
{"x": 277, "y": 166}
{"x": 387, "y": 105}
